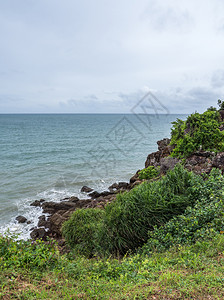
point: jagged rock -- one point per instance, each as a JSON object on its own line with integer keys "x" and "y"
{"x": 204, "y": 153}
{"x": 137, "y": 182}
{"x": 52, "y": 207}
{"x": 43, "y": 222}
{"x": 73, "y": 199}
{"x": 38, "y": 233}
{"x": 153, "y": 159}
{"x": 94, "y": 195}
{"x": 118, "y": 186}
{"x": 21, "y": 219}
{"x": 218, "y": 161}
{"x": 165, "y": 150}
{"x": 167, "y": 163}
{"x": 106, "y": 193}
{"x": 162, "y": 144}
{"x": 86, "y": 189}
{"x": 135, "y": 177}
{"x": 56, "y": 220}
{"x": 222, "y": 114}
{"x": 83, "y": 203}
{"x": 37, "y": 202}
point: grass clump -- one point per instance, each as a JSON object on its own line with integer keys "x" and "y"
{"x": 149, "y": 173}
{"x": 202, "y": 221}
{"x": 81, "y": 228}
{"x": 128, "y": 219}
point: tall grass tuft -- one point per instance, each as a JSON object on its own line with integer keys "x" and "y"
{"x": 81, "y": 228}
{"x": 129, "y": 218}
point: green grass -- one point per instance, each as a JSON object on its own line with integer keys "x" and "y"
{"x": 184, "y": 272}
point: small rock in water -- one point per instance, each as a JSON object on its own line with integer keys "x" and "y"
{"x": 21, "y": 219}
{"x": 86, "y": 189}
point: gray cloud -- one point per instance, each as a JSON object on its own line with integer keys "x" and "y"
{"x": 62, "y": 56}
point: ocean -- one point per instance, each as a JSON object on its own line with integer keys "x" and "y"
{"x": 51, "y": 156}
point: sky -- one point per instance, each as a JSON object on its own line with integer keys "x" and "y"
{"x": 110, "y": 56}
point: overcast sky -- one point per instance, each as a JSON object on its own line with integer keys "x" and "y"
{"x": 103, "y": 56}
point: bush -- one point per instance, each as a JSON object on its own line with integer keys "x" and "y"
{"x": 149, "y": 173}
{"x": 81, "y": 228}
{"x": 198, "y": 132}
{"x": 128, "y": 219}
{"x": 206, "y": 218}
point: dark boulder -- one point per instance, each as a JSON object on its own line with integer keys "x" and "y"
{"x": 94, "y": 195}
{"x": 37, "y": 202}
{"x": 86, "y": 189}
{"x": 222, "y": 114}
{"x": 21, "y": 219}
{"x": 135, "y": 177}
{"x": 118, "y": 186}
{"x": 52, "y": 207}
{"x": 153, "y": 159}
{"x": 167, "y": 163}
{"x": 162, "y": 144}
{"x": 218, "y": 161}
{"x": 39, "y": 233}
{"x": 43, "y": 222}
{"x": 73, "y": 199}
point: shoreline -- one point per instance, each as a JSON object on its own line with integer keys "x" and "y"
{"x": 54, "y": 214}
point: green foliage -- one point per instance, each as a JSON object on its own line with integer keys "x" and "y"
{"x": 198, "y": 132}
{"x": 183, "y": 272}
{"x": 199, "y": 222}
{"x": 35, "y": 255}
{"x": 177, "y": 131}
{"x": 81, "y": 228}
{"x": 149, "y": 173}
{"x": 128, "y": 219}
{"x": 212, "y": 108}
{"x": 221, "y": 104}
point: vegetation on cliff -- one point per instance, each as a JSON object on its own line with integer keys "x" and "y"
{"x": 198, "y": 132}
{"x": 163, "y": 239}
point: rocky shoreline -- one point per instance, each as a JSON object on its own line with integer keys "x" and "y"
{"x": 56, "y": 213}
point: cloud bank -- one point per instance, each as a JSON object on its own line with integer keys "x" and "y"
{"x": 101, "y": 57}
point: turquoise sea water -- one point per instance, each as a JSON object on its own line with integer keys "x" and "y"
{"x": 53, "y": 156}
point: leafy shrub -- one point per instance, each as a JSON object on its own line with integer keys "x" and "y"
{"x": 221, "y": 104}
{"x": 80, "y": 230}
{"x": 198, "y": 132}
{"x": 128, "y": 219}
{"x": 149, "y": 173}
{"x": 206, "y": 218}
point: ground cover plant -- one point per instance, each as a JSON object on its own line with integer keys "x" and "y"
{"x": 204, "y": 219}
{"x": 183, "y": 272}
